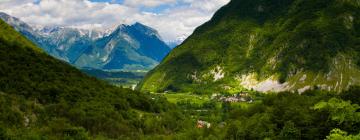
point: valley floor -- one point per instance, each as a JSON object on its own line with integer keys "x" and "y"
{"x": 254, "y": 115}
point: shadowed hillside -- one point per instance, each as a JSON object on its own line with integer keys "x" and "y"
{"x": 41, "y": 97}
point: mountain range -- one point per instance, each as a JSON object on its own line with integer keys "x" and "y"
{"x": 127, "y": 47}
{"x": 267, "y": 46}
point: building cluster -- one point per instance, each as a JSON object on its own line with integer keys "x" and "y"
{"x": 203, "y": 124}
{"x": 240, "y": 97}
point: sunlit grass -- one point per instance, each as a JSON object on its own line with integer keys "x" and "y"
{"x": 178, "y": 97}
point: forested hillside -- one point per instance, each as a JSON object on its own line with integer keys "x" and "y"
{"x": 44, "y": 98}
{"x": 268, "y": 46}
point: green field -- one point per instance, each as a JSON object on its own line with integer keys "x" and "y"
{"x": 201, "y": 100}
{"x": 178, "y": 97}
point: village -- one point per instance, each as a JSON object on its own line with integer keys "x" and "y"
{"x": 234, "y": 98}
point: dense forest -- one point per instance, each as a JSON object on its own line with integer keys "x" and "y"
{"x": 312, "y": 115}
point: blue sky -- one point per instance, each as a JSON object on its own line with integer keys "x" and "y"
{"x": 174, "y": 19}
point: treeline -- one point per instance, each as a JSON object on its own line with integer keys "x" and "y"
{"x": 312, "y": 115}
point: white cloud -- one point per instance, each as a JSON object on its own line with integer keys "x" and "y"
{"x": 207, "y": 5}
{"x": 4, "y": 1}
{"x": 148, "y": 3}
{"x": 179, "y": 19}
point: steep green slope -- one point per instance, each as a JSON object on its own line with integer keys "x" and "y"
{"x": 267, "y": 45}
{"x": 44, "y": 98}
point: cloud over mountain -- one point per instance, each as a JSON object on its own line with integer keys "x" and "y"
{"x": 172, "y": 18}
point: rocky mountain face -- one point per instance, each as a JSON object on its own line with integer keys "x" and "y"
{"x": 128, "y": 47}
{"x": 131, "y": 47}
{"x": 269, "y": 46}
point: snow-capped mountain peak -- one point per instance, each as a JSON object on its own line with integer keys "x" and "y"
{"x": 127, "y": 47}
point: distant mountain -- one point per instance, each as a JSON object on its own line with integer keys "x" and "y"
{"x": 128, "y": 47}
{"x": 66, "y": 43}
{"x": 267, "y": 45}
{"x": 22, "y": 27}
{"x": 131, "y": 47}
